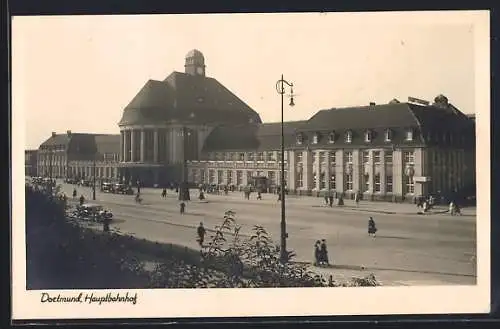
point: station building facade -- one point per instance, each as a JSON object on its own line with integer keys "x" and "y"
{"x": 190, "y": 127}
{"x": 392, "y": 151}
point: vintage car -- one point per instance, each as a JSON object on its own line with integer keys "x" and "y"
{"x": 107, "y": 187}
{"x": 122, "y": 189}
{"x": 92, "y": 211}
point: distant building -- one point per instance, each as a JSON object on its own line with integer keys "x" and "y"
{"x": 72, "y": 155}
{"x": 392, "y": 151}
{"x": 30, "y": 163}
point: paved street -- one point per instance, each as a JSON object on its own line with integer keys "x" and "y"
{"x": 409, "y": 248}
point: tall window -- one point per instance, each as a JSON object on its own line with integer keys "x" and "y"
{"x": 211, "y": 176}
{"x": 376, "y": 183}
{"x": 376, "y": 157}
{"x": 230, "y": 156}
{"x": 331, "y": 138}
{"x": 315, "y": 138}
{"x": 322, "y": 158}
{"x": 333, "y": 158}
{"x": 271, "y": 175}
{"x": 322, "y": 181}
{"x": 348, "y": 157}
{"x": 409, "y": 184}
{"x": 241, "y": 156}
{"x": 315, "y": 179}
{"x": 194, "y": 175}
{"x": 388, "y": 184}
{"x": 366, "y": 156}
{"x": 239, "y": 177}
{"x": 251, "y": 156}
{"x": 348, "y": 182}
{"x": 409, "y": 157}
{"x": 298, "y": 157}
{"x": 202, "y": 176}
{"x": 388, "y": 157}
{"x": 260, "y": 156}
{"x": 249, "y": 177}
{"x": 220, "y": 177}
{"x": 366, "y": 181}
{"x": 299, "y": 179}
{"x": 333, "y": 182}
{"x": 229, "y": 177}
{"x": 270, "y": 156}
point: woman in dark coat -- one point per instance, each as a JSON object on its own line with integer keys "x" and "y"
{"x": 372, "y": 229}
{"x": 317, "y": 253}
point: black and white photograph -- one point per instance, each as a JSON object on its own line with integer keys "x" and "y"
{"x": 210, "y": 165}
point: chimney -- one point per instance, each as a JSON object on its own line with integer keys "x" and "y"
{"x": 68, "y": 132}
{"x": 54, "y": 134}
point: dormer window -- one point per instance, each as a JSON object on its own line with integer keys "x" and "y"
{"x": 331, "y": 138}
{"x": 388, "y": 135}
{"x": 348, "y": 136}
{"x": 316, "y": 138}
{"x": 368, "y": 136}
{"x": 409, "y": 135}
{"x": 300, "y": 139}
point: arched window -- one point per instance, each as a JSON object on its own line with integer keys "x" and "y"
{"x": 316, "y": 138}
{"x": 388, "y": 135}
{"x": 348, "y": 136}
{"x": 368, "y": 136}
{"x": 331, "y": 137}
{"x": 300, "y": 138}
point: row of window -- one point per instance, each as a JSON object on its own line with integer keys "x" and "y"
{"x": 200, "y": 176}
{"x": 250, "y": 156}
{"x": 408, "y": 157}
{"x": 348, "y": 136}
{"x": 349, "y": 183}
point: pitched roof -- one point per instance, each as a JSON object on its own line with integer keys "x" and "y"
{"x": 107, "y": 143}
{"x": 265, "y": 136}
{"x": 184, "y": 97}
{"x": 397, "y": 117}
{"x": 85, "y": 143}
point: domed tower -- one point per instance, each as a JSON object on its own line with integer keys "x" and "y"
{"x": 195, "y": 63}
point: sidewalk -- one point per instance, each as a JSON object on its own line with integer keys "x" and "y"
{"x": 381, "y": 207}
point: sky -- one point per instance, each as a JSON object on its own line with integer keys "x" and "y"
{"x": 78, "y": 72}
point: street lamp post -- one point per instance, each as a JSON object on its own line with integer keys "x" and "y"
{"x": 280, "y": 88}
{"x": 93, "y": 183}
{"x": 184, "y": 188}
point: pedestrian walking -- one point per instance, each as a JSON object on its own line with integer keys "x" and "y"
{"x": 372, "y": 228}
{"x": 330, "y": 199}
{"x": 82, "y": 200}
{"x": 182, "y": 207}
{"x": 74, "y": 193}
{"x": 317, "y": 253}
{"x": 356, "y": 198}
{"x": 164, "y": 193}
{"x": 326, "y": 197}
{"x": 452, "y": 208}
{"x": 259, "y": 195}
{"x": 201, "y": 234}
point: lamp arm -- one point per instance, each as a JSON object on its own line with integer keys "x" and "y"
{"x": 279, "y": 86}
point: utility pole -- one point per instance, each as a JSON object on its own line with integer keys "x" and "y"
{"x": 184, "y": 188}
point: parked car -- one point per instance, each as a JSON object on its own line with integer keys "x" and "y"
{"x": 107, "y": 187}
{"x": 92, "y": 211}
{"x": 123, "y": 189}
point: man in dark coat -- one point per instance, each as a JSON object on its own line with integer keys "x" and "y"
{"x": 324, "y": 253}
{"x": 201, "y": 234}
{"x": 372, "y": 229}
